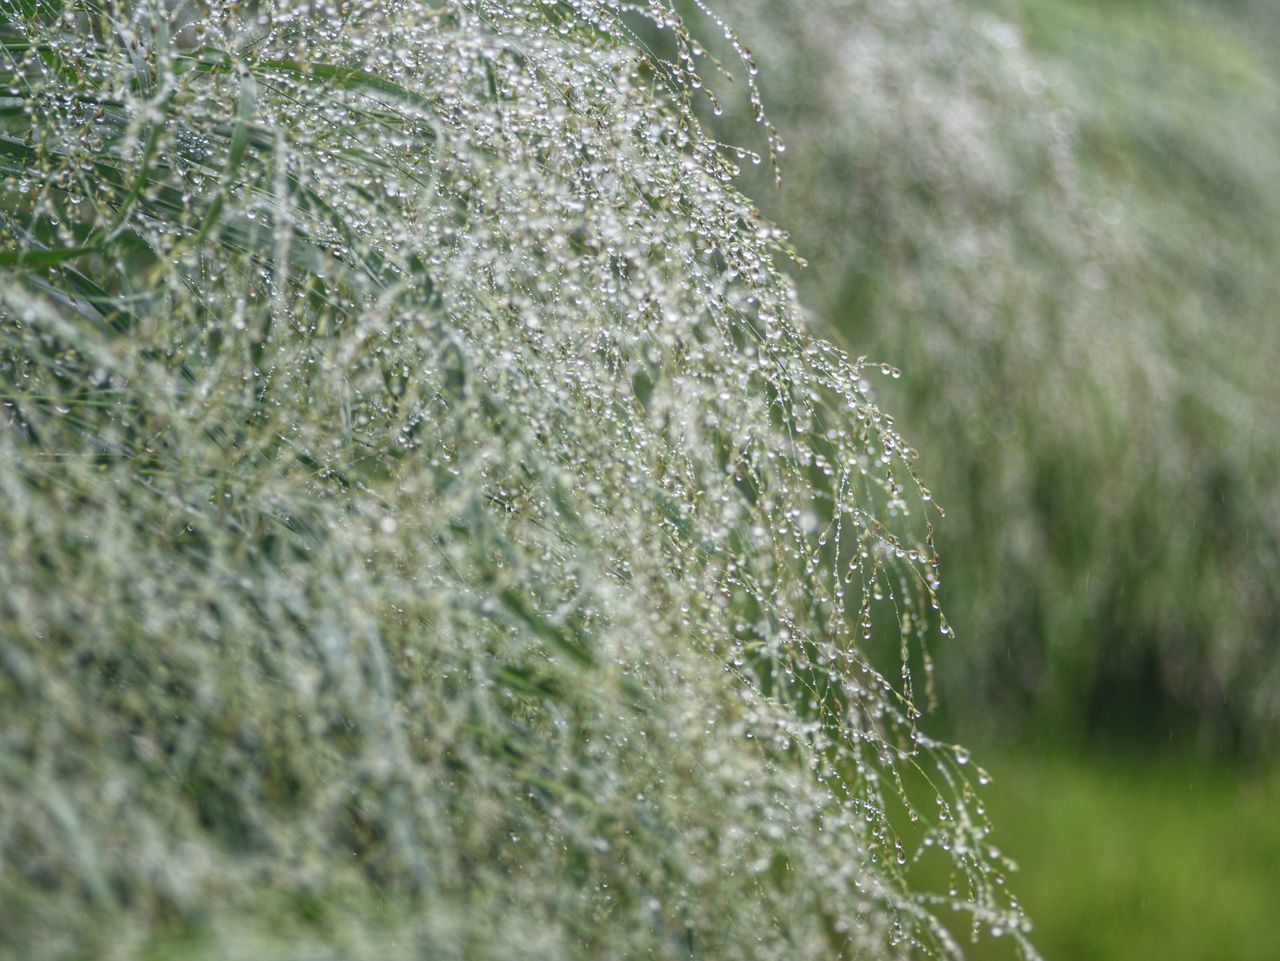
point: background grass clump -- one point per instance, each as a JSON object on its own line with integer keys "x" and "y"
{"x": 1058, "y": 219}
{"x": 428, "y": 527}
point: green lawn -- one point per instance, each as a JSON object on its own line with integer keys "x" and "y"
{"x": 1140, "y": 858}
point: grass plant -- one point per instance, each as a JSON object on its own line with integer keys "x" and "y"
{"x": 428, "y": 524}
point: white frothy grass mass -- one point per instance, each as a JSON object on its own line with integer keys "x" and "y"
{"x": 429, "y": 527}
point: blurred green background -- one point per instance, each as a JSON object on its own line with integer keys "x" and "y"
{"x": 1139, "y": 854}
{"x": 1061, "y": 220}
{"x": 1145, "y": 824}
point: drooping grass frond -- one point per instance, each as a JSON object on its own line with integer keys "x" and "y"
{"x": 429, "y": 528}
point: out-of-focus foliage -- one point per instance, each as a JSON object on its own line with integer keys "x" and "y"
{"x": 1060, "y": 220}
{"x": 427, "y": 526}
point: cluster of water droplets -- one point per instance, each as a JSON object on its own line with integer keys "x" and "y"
{"x": 421, "y": 488}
